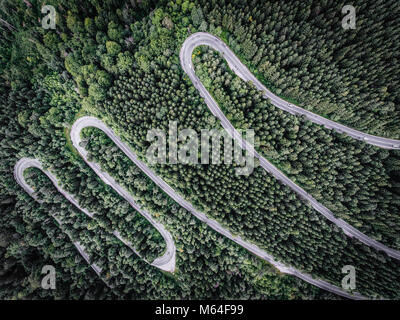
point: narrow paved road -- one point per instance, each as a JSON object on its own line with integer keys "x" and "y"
{"x": 166, "y": 262}
{"x": 201, "y": 38}
{"x": 96, "y": 123}
{"x": 19, "y": 169}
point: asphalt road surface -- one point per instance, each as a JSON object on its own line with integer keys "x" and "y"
{"x": 166, "y": 262}
{"x": 96, "y": 123}
{"x": 25, "y": 163}
{"x": 203, "y": 38}
{"x": 207, "y": 39}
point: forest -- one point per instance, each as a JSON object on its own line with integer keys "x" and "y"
{"x": 119, "y": 61}
{"x": 355, "y": 180}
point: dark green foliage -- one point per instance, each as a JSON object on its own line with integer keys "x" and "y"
{"x": 351, "y": 178}
{"x": 118, "y": 60}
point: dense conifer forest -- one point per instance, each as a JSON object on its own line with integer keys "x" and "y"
{"x": 119, "y": 61}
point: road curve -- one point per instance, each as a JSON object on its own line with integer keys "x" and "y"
{"x": 204, "y": 38}
{"x": 207, "y": 39}
{"x": 19, "y": 168}
{"x": 166, "y": 262}
{"x": 96, "y": 123}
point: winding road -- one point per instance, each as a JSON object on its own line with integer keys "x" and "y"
{"x": 207, "y": 39}
{"x": 25, "y": 163}
{"x": 166, "y": 262}
{"x": 84, "y": 122}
